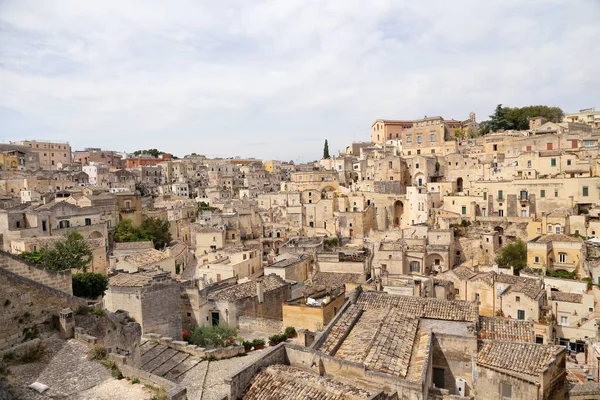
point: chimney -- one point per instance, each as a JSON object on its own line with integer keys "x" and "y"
{"x": 417, "y": 288}
{"x": 260, "y": 291}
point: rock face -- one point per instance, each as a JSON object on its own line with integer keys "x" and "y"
{"x": 113, "y": 332}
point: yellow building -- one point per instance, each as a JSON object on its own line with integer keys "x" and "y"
{"x": 555, "y": 252}
{"x": 8, "y": 162}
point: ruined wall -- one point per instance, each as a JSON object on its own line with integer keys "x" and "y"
{"x": 26, "y": 305}
{"x": 57, "y": 280}
{"x": 270, "y": 326}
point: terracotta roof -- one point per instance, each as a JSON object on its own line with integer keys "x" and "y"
{"x": 381, "y": 339}
{"x": 524, "y": 358}
{"x": 497, "y": 328}
{"x": 248, "y": 289}
{"x": 285, "y": 382}
{"x": 557, "y": 237}
{"x": 566, "y": 297}
{"x": 451, "y": 310}
{"x": 463, "y": 273}
{"x": 140, "y": 279}
{"x": 147, "y": 257}
{"x": 332, "y": 279}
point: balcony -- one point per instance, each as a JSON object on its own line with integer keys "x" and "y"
{"x": 567, "y": 266}
{"x": 128, "y": 210}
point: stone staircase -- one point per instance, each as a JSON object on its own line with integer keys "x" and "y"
{"x": 166, "y": 362}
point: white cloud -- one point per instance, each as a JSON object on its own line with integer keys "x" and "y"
{"x": 257, "y": 77}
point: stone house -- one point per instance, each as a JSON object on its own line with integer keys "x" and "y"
{"x": 151, "y": 297}
{"x": 260, "y": 298}
{"x": 556, "y": 252}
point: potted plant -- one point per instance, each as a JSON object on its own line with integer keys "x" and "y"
{"x": 247, "y": 346}
{"x": 258, "y": 344}
{"x": 290, "y": 332}
{"x": 276, "y": 339}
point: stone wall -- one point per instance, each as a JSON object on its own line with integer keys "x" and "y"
{"x": 454, "y": 355}
{"x": 161, "y": 310}
{"x": 239, "y": 380}
{"x": 57, "y": 280}
{"x": 27, "y": 306}
{"x": 266, "y": 325}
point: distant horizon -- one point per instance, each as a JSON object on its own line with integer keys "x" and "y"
{"x": 274, "y": 80}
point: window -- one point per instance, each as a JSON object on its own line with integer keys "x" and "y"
{"x": 568, "y": 162}
{"x": 409, "y": 139}
{"x": 485, "y": 195}
{"x": 214, "y": 238}
{"x": 390, "y": 164}
{"x": 517, "y": 299}
{"x": 419, "y": 139}
{"x": 536, "y": 259}
{"x": 529, "y": 164}
{"x": 557, "y": 228}
{"x": 562, "y": 258}
{"x": 586, "y": 191}
{"x": 505, "y": 390}
{"x": 556, "y": 193}
{"x": 417, "y": 165}
{"x": 588, "y": 143}
{"x": 88, "y": 221}
{"x": 456, "y": 292}
{"x": 542, "y": 193}
{"x": 432, "y": 151}
{"x": 564, "y": 320}
{"x": 476, "y": 296}
{"x": 495, "y": 147}
{"x": 432, "y": 137}
{"x": 501, "y": 213}
{"x": 464, "y": 210}
{"x": 520, "y": 314}
{"x": 500, "y": 194}
{"x": 415, "y": 266}
{"x": 553, "y": 162}
{"x": 538, "y": 230}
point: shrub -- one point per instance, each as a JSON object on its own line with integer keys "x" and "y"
{"x": 115, "y": 372}
{"x": 213, "y": 336}
{"x": 290, "y": 331}
{"x": 258, "y": 342}
{"x": 89, "y": 285}
{"x": 247, "y": 345}
{"x": 33, "y": 353}
{"x": 590, "y": 282}
{"x": 97, "y": 353}
{"x": 30, "y": 333}
{"x": 99, "y": 311}
{"x": 276, "y": 339}
{"x": 561, "y": 274}
{"x": 135, "y": 381}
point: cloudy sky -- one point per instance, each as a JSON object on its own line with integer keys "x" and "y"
{"x": 273, "y": 79}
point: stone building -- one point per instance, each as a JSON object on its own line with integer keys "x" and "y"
{"x": 151, "y": 297}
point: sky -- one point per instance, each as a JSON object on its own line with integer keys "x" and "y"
{"x": 274, "y": 79}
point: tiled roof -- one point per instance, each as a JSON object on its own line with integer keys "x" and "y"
{"x": 147, "y": 257}
{"x": 332, "y": 280}
{"x": 566, "y": 297}
{"x": 524, "y": 358}
{"x": 557, "y": 237}
{"x": 463, "y": 273}
{"x": 584, "y": 389}
{"x": 497, "y": 328}
{"x": 136, "y": 279}
{"x": 285, "y": 382}
{"x": 382, "y": 339}
{"x": 248, "y": 289}
{"x": 134, "y": 245}
{"x": 451, "y": 310}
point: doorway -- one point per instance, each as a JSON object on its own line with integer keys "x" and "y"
{"x": 215, "y": 318}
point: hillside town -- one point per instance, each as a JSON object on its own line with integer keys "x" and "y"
{"x": 434, "y": 259}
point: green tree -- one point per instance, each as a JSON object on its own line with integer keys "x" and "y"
{"x": 72, "y": 252}
{"x": 326, "y": 150}
{"x": 157, "y": 230}
{"x": 513, "y": 255}
{"x": 517, "y": 118}
{"x": 126, "y": 232}
{"x": 89, "y": 285}
{"x": 154, "y": 229}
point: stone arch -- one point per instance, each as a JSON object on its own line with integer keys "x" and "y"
{"x": 434, "y": 262}
{"x": 459, "y": 185}
{"x": 96, "y": 235}
{"x": 420, "y": 179}
{"x": 500, "y": 231}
